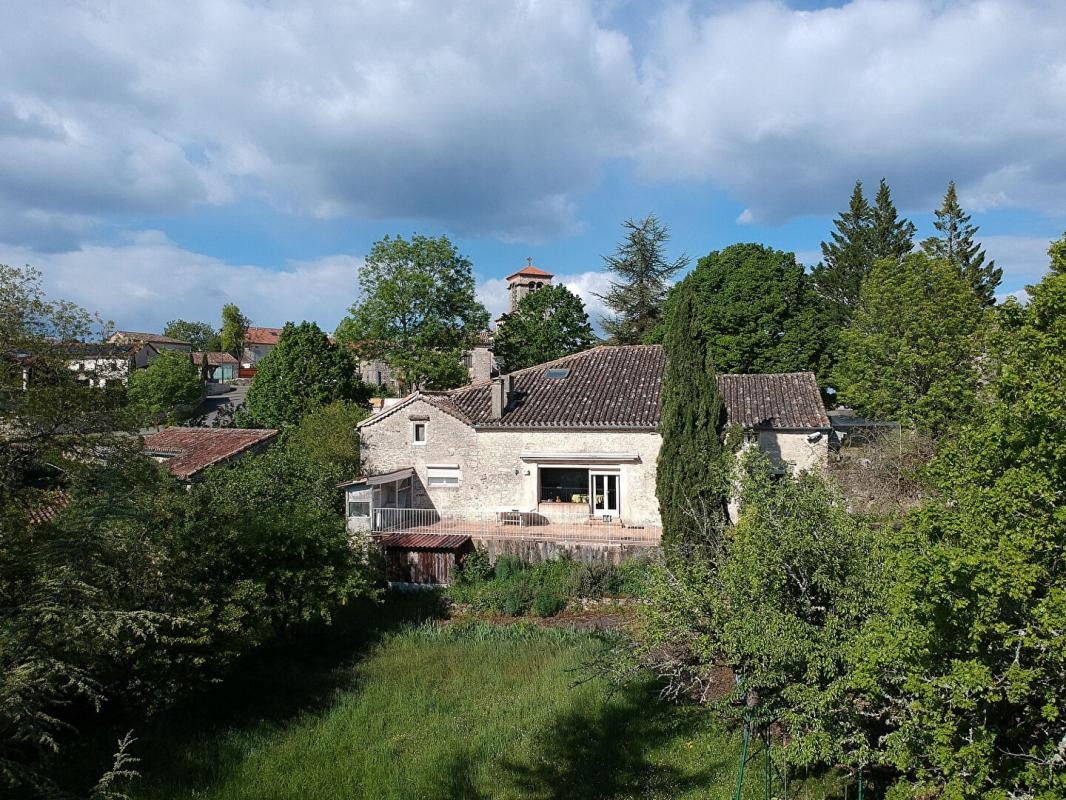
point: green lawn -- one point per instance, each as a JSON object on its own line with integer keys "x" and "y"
{"x": 439, "y": 713}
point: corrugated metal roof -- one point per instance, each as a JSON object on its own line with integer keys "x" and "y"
{"x": 425, "y": 541}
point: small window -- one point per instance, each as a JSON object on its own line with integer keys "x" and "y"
{"x": 443, "y": 475}
{"x": 378, "y": 376}
{"x": 557, "y": 372}
{"x": 418, "y": 435}
{"x": 358, "y": 508}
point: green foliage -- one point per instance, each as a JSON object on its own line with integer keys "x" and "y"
{"x": 969, "y": 656}
{"x": 303, "y": 372}
{"x": 910, "y": 351}
{"x": 328, "y": 435}
{"x": 692, "y": 477}
{"x": 200, "y": 335}
{"x": 171, "y": 382}
{"x": 890, "y": 235}
{"x": 756, "y": 311}
{"x": 417, "y": 310}
{"x": 234, "y": 329}
{"x": 548, "y": 324}
{"x": 956, "y": 245}
{"x": 641, "y": 281}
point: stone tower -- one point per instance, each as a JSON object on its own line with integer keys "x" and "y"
{"x": 526, "y": 280}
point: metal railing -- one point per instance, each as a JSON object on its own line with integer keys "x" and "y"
{"x": 512, "y": 524}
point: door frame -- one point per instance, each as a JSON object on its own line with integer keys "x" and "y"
{"x": 606, "y": 475}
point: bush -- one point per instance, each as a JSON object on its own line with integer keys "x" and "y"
{"x": 547, "y": 603}
{"x": 507, "y": 567}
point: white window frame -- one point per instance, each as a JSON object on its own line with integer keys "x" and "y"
{"x": 414, "y": 433}
{"x": 365, "y": 503}
{"x": 443, "y": 476}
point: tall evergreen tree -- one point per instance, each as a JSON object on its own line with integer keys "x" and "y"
{"x": 642, "y": 281}
{"x": 848, "y": 256}
{"x": 891, "y": 236}
{"x": 956, "y": 244}
{"x": 691, "y": 482}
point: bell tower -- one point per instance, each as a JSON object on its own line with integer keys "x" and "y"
{"x": 526, "y": 280}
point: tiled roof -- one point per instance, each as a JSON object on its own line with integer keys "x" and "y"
{"x": 137, "y": 336}
{"x": 531, "y": 272}
{"x": 50, "y": 506}
{"x": 606, "y": 387}
{"x": 788, "y": 400}
{"x": 189, "y": 451}
{"x": 262, "y": 335}
{"x": 214, "y": 359}
{"x": 425, "y": 541}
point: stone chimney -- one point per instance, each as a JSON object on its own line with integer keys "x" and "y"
{"x": 500, "y": 395}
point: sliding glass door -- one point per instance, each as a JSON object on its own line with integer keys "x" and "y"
{"x": 603, "y": 491}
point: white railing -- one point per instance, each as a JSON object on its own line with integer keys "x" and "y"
{"x": 512, "y": 524}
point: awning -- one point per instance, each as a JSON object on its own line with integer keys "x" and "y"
{"x": 580, "y": 458}
{"x": 376, "y": 480}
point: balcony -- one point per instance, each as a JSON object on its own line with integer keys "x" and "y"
{"x": 514, "y": 523}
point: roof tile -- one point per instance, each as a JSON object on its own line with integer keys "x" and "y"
{"x": 189, "y": 451}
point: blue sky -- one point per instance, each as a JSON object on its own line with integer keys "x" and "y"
{"x": 158, "y": 160}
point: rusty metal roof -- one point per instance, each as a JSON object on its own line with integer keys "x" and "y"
{"x": 425, "y": 541}
{"x": 189, "y": 451}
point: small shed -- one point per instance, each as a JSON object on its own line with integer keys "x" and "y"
{"x": 424, "y": 558}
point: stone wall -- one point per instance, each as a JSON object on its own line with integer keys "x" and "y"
{"x": 536, "y": 551}
{"x": 795, "y": 450}
{"x": 493, "y": 474}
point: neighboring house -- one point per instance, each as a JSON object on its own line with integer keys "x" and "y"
{"x": 258, "y": 342}
{"x": 564, "y": 451}
{"x": 376, "y": 372}
{"x": 99, "y": 365}
{"x": 158, "y": 342}
{"x": 220, "y": 366}
{"x": 187, "y": 452}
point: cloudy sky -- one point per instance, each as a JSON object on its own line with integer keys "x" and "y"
{"x": 159, "y": 159}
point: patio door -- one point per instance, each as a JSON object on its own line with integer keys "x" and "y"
{"x": 603, "y": 493}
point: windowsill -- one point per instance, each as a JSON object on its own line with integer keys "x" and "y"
{"x": 419, "y": 444}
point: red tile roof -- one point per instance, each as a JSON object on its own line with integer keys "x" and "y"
{"x": 530, "y": 272}
{"x": 189, "y": 451}
{"x": 262, "y": 336}
{"x": 214, "y": 359}
{"x": 46, "y": 511}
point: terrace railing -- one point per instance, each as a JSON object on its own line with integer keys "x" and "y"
{"x": 513, "y": 524}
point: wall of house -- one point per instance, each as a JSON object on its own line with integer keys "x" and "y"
{"x": 100, "y": 371}
{"x": 493, "y": 473}
{"x": 795, "y": 449}
{"x": 480, "y": 363}
{"x": 376, "y": 373}
{"x": 254, "y": 353}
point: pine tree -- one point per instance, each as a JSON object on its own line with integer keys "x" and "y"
{"x": 691, "y": 481}
{"x": 848, "y": 257}
{"x": 891, "y": 236}
{"x": 956, "y": 244}
{"x": 642, "y": 281}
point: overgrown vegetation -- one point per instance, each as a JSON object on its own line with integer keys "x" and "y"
{"x": 516, "y": 588}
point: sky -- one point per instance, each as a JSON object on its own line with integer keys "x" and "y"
{"x": 160, "y": 159}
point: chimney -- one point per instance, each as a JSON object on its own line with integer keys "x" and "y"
{"x": 500, "y": 395}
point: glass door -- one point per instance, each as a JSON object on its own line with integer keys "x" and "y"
{"x": 603, "y": 493}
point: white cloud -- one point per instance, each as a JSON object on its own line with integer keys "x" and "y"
{"x": 143, "y": 283}
{"x": 493, "y": 294}
{"x": 1023, "y": 259}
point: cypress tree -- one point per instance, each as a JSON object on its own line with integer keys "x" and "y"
{"x": 848, "y": 256}
{"x": 891, "y": 236}
{"x": 956, "y": 244}
{"x": 643, "y": 281}
{"x": 692, "y": 482}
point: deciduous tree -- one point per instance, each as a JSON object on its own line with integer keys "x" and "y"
{"x": 303, "y": 372}
{"x": 171, "y": 384}
{"x": 234, "y": 329}
{"x": 548, "y": 323}
{"x": 417, "y": 310}
{"x": 200, "y": 335}
{"x": 641, "y": 275}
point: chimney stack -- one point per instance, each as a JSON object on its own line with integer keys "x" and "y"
{"x": 500, "y": 395}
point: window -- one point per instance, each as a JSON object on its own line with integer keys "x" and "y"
{"x": 564, "y": 485}
{"x": 378, "y": 378}
{"x": 443, "y": 475}
{"x": 418, "y": 435}
{"x": 358, "y": 508}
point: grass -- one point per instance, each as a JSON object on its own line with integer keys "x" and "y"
{"x": 434, "y": 711}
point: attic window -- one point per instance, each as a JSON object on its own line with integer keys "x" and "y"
{"x": 557, "y": 372}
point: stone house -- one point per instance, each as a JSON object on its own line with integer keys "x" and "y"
{"x": 257, "y": 343}
{"x": 100, "y": 365}
{"x": 565, "y": 450}
{"x": 187, "y": 452}
{"x": 158, "y": 343}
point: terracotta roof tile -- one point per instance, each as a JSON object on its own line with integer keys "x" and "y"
{"x": 214, "y": 359}
{"x": 189, "y": 451}
{"x": 262, "y": 335}
{"x": 788, "y": 400}
{"x": 531, "y": 272}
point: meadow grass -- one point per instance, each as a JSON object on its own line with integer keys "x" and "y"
{"x": 430, "y": 711}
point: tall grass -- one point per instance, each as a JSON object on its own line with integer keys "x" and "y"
{"x": 441, "y": 711}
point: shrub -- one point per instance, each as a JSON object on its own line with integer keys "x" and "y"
{"x": 509, "y": 566}
{"x": 547, "y": 603}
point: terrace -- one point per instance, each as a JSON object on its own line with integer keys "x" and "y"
{"x": 537, "y": 524}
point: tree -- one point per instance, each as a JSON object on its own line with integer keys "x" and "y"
{"x": 969, "y": 655}
{"x": 548, "y": 323}
{"x": 641, "y": 280}
{"x": 417, "y": 310}
{"x": 200, "y": 335}
{"x": 847, "y": 257}
{"x": 328, "y": 435}
{"x": 234, "y": 329}
{"x": 171, "y": 382}
{"x": 890, "y": 236}
{"x": 691, "y": 480}
{"x": 303, "y": 372}
{"x": 909, "y": 352}
{"x": 956, "y": 244}
{"x": 757, "y": 312}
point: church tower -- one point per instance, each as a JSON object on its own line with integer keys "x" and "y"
{"x": 526, "y": 280}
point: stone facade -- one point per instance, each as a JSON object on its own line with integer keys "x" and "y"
{"x": 491, "y": 466}
{"x": 797, "y": 451}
